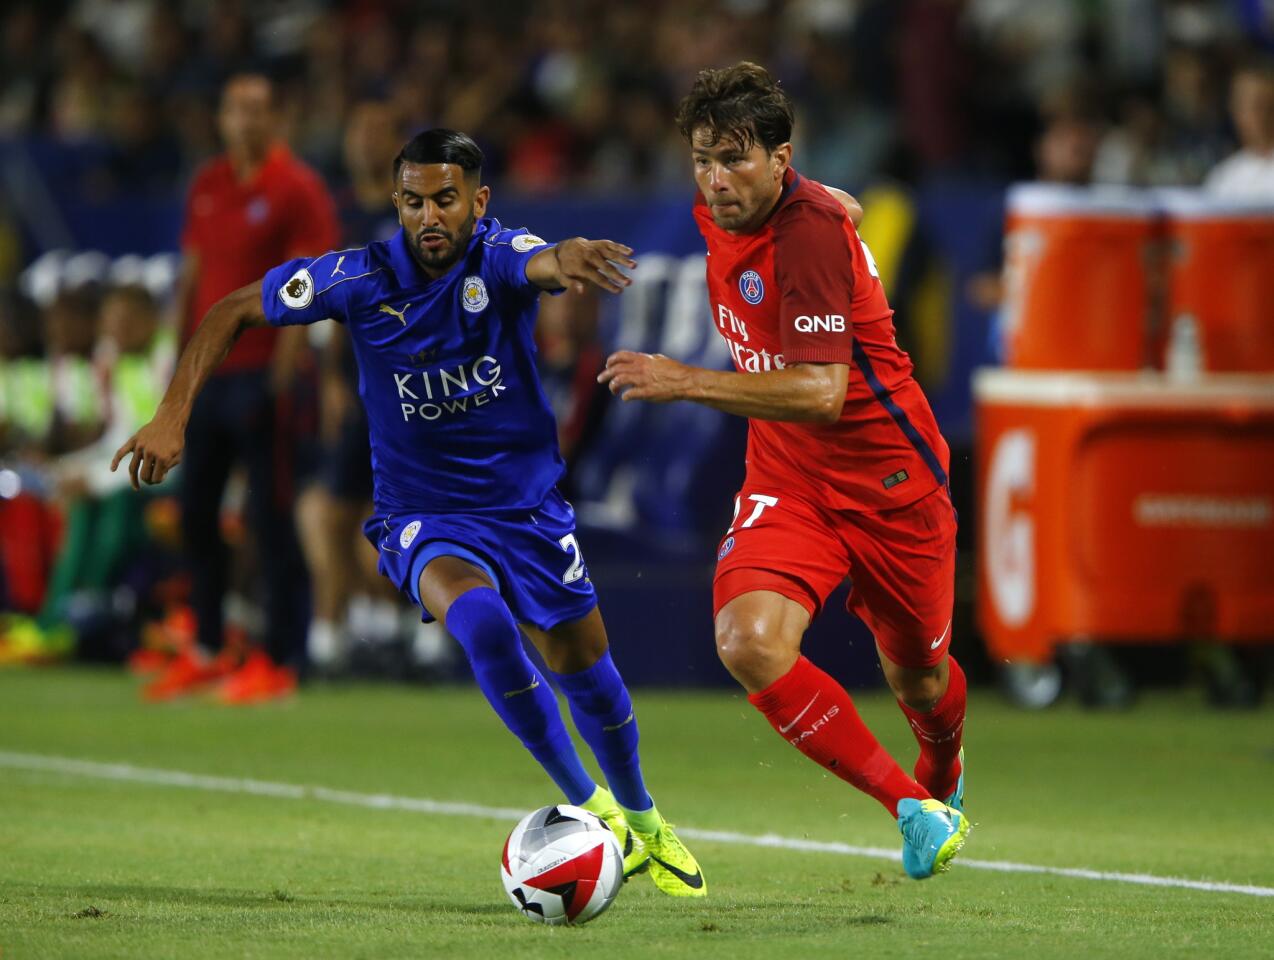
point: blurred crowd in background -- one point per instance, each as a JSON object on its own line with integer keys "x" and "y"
{"x": 576, "y": 94}
{"x": 565, "y": 97}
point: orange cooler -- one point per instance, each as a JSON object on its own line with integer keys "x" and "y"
{"x": 1079, "y": 267}
{"x": 1221, "y": 272}
{"x": 1123, "y": 508}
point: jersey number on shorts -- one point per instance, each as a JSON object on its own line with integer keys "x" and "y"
{"x": 761, "y": 500}
{"x": 576, "y": 569}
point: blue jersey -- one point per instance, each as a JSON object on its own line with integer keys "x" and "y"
{"x": 459, "y": 422}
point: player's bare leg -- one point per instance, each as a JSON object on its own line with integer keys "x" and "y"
{"x": 574, "y": 646}
{"x": 759, "y": 640}
{"x": 758, "y": 634}
{"x": 326, "y": 528}
{"x": 577, "y": 652}
{"x": 759, "y": 637}
{"x": 920, "y": 688}
{"x": 933, "y": 700}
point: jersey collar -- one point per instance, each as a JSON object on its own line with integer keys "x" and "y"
{"x": 791, "y": 180}
{"x": 277, "y": 156}
{"x": 408, "y": 272}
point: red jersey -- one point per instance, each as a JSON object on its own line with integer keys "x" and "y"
{"x": 240, "y": 229}
{"x": 804, "y": 289}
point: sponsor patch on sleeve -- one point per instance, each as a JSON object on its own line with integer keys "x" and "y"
{"x": 526, "y": 241}
{"x": 298, "y": 292}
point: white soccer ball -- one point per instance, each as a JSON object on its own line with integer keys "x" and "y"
{"x": 562, "y": 864}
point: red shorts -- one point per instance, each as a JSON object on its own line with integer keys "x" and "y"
{"x": 901, "y": 564}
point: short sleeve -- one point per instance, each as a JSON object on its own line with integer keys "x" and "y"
{"x": 507, "y": 254}
{"x": 290, "y": 296}
{"x": 814, "y": 271}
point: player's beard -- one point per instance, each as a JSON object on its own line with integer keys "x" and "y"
{"x": 739, "y": 218}
{"x": 444, "y": 258}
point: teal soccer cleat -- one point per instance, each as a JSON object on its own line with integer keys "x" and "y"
{"x": 956, "y": 799}
{"x": 932, "y": 833}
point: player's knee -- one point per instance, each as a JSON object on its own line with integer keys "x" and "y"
{"x": 921, "y": 692}
{"x": 747, "y": 648}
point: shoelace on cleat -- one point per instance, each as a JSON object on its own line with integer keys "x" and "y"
{"x": 669, "y": 841}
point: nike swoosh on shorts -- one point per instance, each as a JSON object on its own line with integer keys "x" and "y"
{"x": 938, "y": 642}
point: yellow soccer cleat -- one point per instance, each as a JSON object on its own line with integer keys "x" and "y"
{"x": 636, "y": 859}
{"x": 673, "y": 867}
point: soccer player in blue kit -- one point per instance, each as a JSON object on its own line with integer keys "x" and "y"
{"x": 468, "y": 520}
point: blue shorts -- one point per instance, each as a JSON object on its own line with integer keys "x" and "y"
{"x": 532, "y": 558}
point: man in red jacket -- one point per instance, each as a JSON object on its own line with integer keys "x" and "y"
{"x": 251, "y": 207}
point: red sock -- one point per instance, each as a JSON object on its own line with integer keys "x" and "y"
{"x": 939, "y": 734}
{"x": 815, "y": 714}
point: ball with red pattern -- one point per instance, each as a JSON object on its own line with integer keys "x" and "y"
{"x": 562, "y": 864}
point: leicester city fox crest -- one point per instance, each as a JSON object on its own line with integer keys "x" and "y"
{"x": 473, "y": 294}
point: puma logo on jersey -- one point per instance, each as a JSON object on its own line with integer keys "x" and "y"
{"x": 337, "y": 269}
{"x": 386, "y": 308}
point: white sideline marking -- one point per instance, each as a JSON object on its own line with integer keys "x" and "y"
{"x": 382, "y": 801}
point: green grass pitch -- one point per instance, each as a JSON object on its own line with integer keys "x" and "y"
{"x": 97, "y": 867}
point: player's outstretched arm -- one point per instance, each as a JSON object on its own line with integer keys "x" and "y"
{"x": 577, "y": 263}
{"x": 808, "y": 392}
{"x": 851, "y": 205}
{"x": 156, "y": 448}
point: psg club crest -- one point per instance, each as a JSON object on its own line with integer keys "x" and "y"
{"x": 725, "y": 548}
{"x": 473, "y": 294}
{"x": 751, "y": 287}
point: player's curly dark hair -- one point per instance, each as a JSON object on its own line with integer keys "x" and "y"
{"x": 441, "y": 145}
{"x": 741, "y": 102}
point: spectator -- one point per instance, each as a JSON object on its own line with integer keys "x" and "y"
{"x": 71, "y": 331}
{"x": 274, "y": 208}
{"x": 27, "y": 528}
{"x": 1249, "y": 172}
{"x": 331, "y": 511}
{"x": 103, "y": 525}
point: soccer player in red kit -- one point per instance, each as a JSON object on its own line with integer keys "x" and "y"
{"x": 846, "y": 469}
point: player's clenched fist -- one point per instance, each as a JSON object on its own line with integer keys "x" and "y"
{"x": 646, "y": 376}
{"x": 156, "y": 449}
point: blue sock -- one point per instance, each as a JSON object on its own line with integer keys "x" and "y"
{"x": 603, "y": 714}
{"x": 525, "y": 702}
